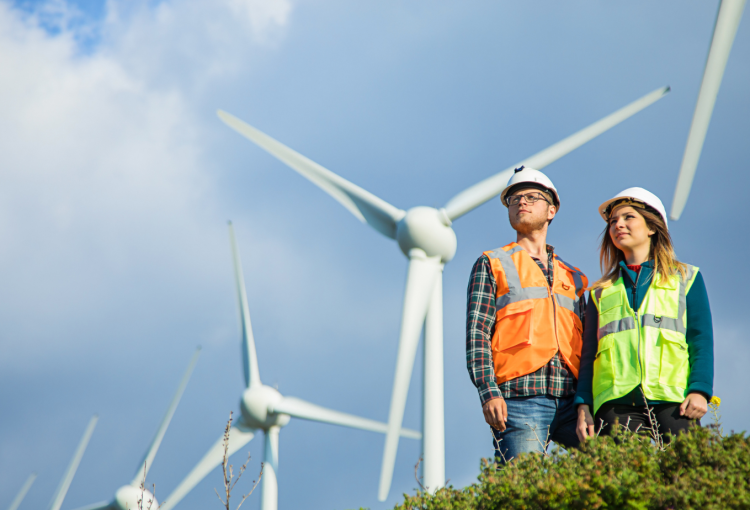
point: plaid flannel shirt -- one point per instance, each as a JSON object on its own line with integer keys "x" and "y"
{"x": 552, "y": 379}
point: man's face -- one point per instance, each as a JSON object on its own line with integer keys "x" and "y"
{"x": 526, "y": 217}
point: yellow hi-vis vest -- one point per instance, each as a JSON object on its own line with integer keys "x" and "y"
{"x": 645, "y": 347}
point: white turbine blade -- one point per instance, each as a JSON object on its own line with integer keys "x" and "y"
{"x": 368, "y": 208}
{"x": 727, "y": 21}
{"x": 239, "y": 436}
{"x": 62, "y": 490}
{"x": 298, "y": 408}
{"x": 269, "y": 495}
{"x": 22, "y": 493}
{"x": 481, "y": 192}
{"x": 249, "y": 355}
{"x": 102, "y": 505}
{"x": 148, "y": 459}
{"x": 420, "y": 281}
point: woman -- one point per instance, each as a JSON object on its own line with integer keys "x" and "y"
{"x": 653, "y": 340}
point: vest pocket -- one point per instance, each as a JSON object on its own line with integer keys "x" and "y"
{"x": 674, "y": 365}
{"x": 604, "y": 366}
{"x": 514, "y": 325}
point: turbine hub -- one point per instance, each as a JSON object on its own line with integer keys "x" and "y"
{"x": 127, "y": 497}
{"x": 254, "y": 406}
{"x": 428, "y": 229}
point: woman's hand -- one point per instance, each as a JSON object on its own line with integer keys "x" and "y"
{"x": 585, "y": 427}
{"x": 694, "y": 406}
{"x": 496, "y": 413}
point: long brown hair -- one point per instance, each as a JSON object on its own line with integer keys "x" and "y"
{"x": 661, "y": 252}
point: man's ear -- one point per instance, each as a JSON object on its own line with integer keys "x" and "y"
{"x": 551, "y": 212}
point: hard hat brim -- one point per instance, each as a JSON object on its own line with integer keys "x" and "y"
{"x": 640, "y": 195}
{"x": 535, "y": 180}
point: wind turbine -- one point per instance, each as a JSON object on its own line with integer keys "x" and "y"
{"x": 425, "y": 236}
{"x": 725, "y": 28}
{"x": 22, "y": 493}
{"x": 264, "y": 408}
{"x": 127, "y": 496}
{"x": 62, "y": 489}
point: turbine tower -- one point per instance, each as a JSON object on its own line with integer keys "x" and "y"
{"x": 263, "y": 408}
{"x": 128, "y": 496}
{"x": 426, "y": 237}
{"x": 725, "y": 28}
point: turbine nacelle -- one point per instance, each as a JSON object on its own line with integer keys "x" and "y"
{"x": 127, "y": 498}
{"x": 255, "y": 405}
{"x": 427, "y": 229}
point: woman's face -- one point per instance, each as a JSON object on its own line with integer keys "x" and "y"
{"x": 628, "y": 229}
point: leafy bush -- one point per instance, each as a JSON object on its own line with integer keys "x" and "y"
{"x": 701, "y": 469}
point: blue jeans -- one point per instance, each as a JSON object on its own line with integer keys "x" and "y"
{"x": 531, "y": 422}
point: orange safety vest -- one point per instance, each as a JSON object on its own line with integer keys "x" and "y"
{"x": 532, "y": 321}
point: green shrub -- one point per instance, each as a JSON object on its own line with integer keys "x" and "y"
{"x": 698, "y": 470}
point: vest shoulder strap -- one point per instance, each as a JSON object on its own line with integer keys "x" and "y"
{"x": 503, "y": 252}
{"x": 692, "y": 272}
{"x": 606, "y": 293}
{"x": 516, "y": 291}
{"x": 571, "y": 267}
{"x": 578, "y": 277}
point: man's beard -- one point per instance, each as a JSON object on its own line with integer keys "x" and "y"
{"x": 528, "y": 225}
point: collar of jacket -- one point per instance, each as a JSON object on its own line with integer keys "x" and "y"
{"x": 644, "y": 281}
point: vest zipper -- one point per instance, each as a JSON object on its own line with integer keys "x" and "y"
{"x": 554, "y": 305}
{"x": 638, "y": 325}
{"x": 640, "y": 362}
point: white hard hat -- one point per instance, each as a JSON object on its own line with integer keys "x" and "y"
{"x": 533, "y": 177}
{"x": 636, "y": 197}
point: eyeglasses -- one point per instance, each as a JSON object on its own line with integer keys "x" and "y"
{"x": 531, "y": 198}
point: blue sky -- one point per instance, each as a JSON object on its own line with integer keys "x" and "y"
{"x": 118, "y": 180}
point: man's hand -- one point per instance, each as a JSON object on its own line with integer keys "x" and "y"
{"x": 694, "y": 406}
{"x": 496, "y": 413}
{"x": 585, "y": 426}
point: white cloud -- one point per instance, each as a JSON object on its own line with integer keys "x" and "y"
{"x": 104, "y": 158}
{"x": 190, "y": 43}
{"x": 262, "y": 16}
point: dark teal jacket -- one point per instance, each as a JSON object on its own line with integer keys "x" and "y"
{"x": 699, "y": 337}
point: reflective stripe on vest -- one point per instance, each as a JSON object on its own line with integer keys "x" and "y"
{"x": 518, "y": 293}
{"x": 534, "y": 321}
{"x": 515, "y": 291}
{"x": 645, "y": 347}
{"x": 574, "y": 305}
{"x": 650, "y": 320}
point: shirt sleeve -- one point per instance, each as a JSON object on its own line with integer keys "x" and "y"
{"x": 584, "y": 393}
{"x": 700, "y": 339}
{"x": 480, "y": 326}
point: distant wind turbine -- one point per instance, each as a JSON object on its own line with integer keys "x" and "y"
{"x": 67, "y": 478}
{"x": 425, "y": 236}
{"x": 127, "y": 496}
{"x": 263, "y": 408}
{"x": 22, "y": 493}
{"x": 725, "y": 28}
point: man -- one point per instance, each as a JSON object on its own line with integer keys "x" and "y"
{"x": 523, "y": 331}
